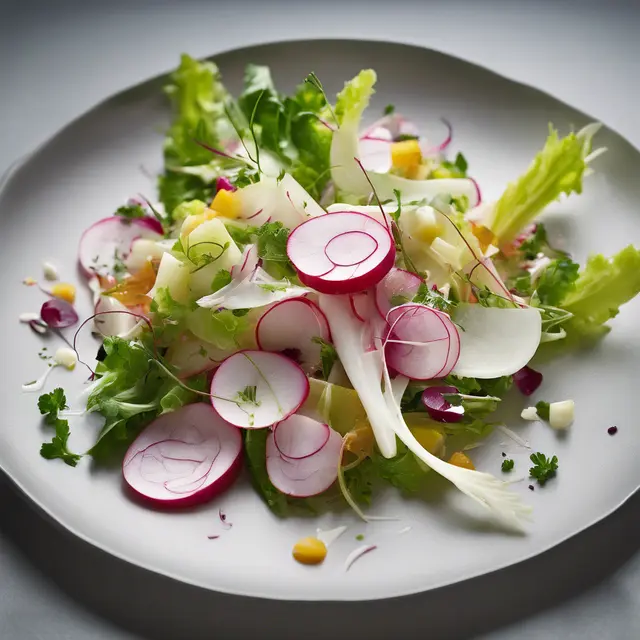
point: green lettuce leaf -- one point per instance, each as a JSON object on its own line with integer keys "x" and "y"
{"x": 602, "y": 287}
{"x": 355, "y": 97}
{"x": 557, "y": 281}
{"x": 557, "y": 169}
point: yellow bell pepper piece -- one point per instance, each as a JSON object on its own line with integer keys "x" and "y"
{"x": 64, "y": 291}
{"x": 226, "y": 204}
{"x": 406, "y": 155}
{"x": 459, "y": 459}
{"x": 431, "y": 439}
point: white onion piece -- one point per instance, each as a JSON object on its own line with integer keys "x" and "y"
{"x": 306, "y": 477}
{"x": 254, "y": 389}
{"x": 495, "y": 342}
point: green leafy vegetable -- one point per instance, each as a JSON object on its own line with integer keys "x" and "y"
{"x": 50, "y": 405}
{"x": 543, "y": 468}
{"x": 355, "y": 96}
{"x": 433, "y": 298}
{"x": 328, "y": 354}
{"x": 557, "y": 281}
{"x": 404, "y": 471}
{"x": 507, "y": 465}
{"x": 133, "y": 387}
{"x": 538, "y": 243}
{"x": 602, "y": 287}
{"x": 221, "y": 279}
{"x": 272, "y": 249}
{"x": 557, "y": 169}
{"x": 131, "y": 211}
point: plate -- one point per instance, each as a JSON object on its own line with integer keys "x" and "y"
{"x": 110, "y": 153}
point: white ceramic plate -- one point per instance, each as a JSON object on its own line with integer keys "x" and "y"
{"x": 94, "y": 164}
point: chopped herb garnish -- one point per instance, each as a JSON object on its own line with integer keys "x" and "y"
{"x": 131, "y": 211}
{"x": 248, "y": 395}
{"x": 389, "y": 109}
{"x": 328, "y": 356}
{"x": 359, "y": 537}
{"x": 50, "y": 404}
{"x": 507, "y": 464}
{"x": 543, "y": 468}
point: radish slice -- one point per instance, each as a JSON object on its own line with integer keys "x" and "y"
{"x": 255, "y": 389}
{"x": 423, "y": 343}
{"x": 397, "y": 283}
{"x": 362, "y": 305}
{"x": 341, "y": 252}
{"x": 183, "y": 458}
{"x": 290, "y": 327}
{"x": 306, "y": 477}
{"x": 122, "y": 325}
{"x": 300, "y": 437}
{"x": 438, "y": 407}
{"x": 110, "y": 239}
{"x": 495, "y": 342}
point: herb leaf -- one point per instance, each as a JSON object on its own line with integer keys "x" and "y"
{"x": 50, "y": 404}
{"x": 542, "y": 409}
{"x": 507, "y": 465}
{"x": 328, "y": 355}
{"x": 543, "y": 468}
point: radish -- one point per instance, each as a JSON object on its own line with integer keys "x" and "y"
{"x": 363, "y": 305}
{"x": 423, "y": 343}
{"x": 110, "y": 240}
{"x": 300, "y": 437}
{"x": 308, "y": 476}
{"x": 397, "y": 283}
{"x": 383, "y": 217}
{"x": 183, "y": 458}
{"x": 254, "y": 389}
{"x": 122, "y": 325}
{"x": 248, "y": 263}
{"x": 290, "y": 327}
{"x": 341, "y": 252}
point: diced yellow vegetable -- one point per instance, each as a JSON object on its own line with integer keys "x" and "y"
{"x": 406, "y": 154}
{"x": 485, "y": 236}
{"x": 226, "y": 203}
{"x": 64, "y": 291}
{"x": 419, "y": 172}
{"x": 310, "y": 551}
{"x": 459, "y": 459}
{"x": 190, "y": 223}
{"x": 431, "y": 439}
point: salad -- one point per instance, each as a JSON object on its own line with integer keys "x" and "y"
{"x": 328, "y": 304}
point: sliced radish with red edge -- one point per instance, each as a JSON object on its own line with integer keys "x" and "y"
{"x": 438, "y": 407}
{"x": 423, "y": 343}
{"x": 308, "y": 476}
{"x": 341, "y": 252}
{"x": 110, "y": 239}
{"x": 290, "y": 327}
{"x": 183, "y": 458}
{"x": 397, "y": 283}
{"x": 254, "y": 389}
{"x": 300, "y": 437}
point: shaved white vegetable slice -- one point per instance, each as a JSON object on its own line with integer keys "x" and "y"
{"x": 495, "y": 342}
{"x": 364, "y": 374}
{"x": 174, "y": 276}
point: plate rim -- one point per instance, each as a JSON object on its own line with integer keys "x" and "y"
{"x": 19, "y": 164}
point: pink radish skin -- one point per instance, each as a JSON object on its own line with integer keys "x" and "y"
{"x": 397, "y": 282}
{"x": 291, "y": 326}
{"x": 434, "y": 342}
{"x": 101, "y": 240}
{"x": 281, "y": 387}
{"x": 362, "y": 305}
{"x": 339, "y": 253}
{"x": 183, "y": 458}
{"x": 308, "y": 476}
{"x": 250, "y": 261}
{"x": 300, "y": 437}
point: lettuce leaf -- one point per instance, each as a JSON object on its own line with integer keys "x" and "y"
{"x": 602, "y": 287}
{"x": 557, "y": 281}
{"x": 132, "y": 390}
{"x": 557, "y": 169}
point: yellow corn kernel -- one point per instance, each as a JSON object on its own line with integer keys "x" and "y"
{"x": 406, "y": 154}
{"x": 64, "y": 291}
{"x": 485, "y": 236}
{"x": 226, "y": 203}
{"x": 190, "y": 223}
{"x": 459, "y": 459}
{"x": 431, "y": 439}
{"x": 309, "y": 551}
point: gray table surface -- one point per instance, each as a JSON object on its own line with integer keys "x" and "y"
{"x": 57, "y": 59}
